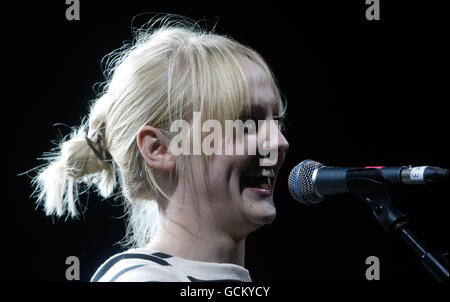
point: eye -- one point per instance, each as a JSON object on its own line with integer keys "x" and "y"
{"x": 281, "y": 122}
{"x": 250, "y": 118}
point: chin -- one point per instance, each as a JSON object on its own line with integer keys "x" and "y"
{"x": 262, "y": 213}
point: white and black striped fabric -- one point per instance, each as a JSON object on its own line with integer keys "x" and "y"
{"x": 142, "y": 265}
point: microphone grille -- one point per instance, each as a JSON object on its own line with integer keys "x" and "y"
{"x": 300, "y": 182}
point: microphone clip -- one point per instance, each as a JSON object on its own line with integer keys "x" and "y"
{"x": 387, "y": 215}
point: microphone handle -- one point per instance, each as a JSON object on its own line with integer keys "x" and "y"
{"x": 357, "y": 180}
{"x": 328, "y": 181}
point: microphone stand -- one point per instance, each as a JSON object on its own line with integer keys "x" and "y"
{"x": 393, "y": 221}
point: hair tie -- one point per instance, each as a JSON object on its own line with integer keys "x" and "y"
{"x": 100, "y": 153}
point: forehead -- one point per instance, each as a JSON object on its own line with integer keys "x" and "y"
{"x": 262, "y": 93}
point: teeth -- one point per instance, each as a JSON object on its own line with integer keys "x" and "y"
{"x": 261, "y": 172}
{"x": 268, "y": 173}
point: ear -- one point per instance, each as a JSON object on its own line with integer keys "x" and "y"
{"x": 154, "y": 147}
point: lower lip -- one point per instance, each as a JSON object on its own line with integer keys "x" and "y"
{"x": 261, "y": 192}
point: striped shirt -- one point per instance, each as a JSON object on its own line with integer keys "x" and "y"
{"x": 142, "y": 265}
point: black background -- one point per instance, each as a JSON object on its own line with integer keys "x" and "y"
{"x": 359, "y": 93}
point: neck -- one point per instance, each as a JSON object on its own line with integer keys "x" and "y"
{"x": 188, "y": 237}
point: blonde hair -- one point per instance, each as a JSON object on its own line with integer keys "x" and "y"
{"x": 171, "y": 69}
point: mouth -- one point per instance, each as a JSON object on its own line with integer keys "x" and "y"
{"x": 259, "y": 179}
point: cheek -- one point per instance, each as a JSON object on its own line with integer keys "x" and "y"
{"x": 247, "y": 145}
{"x": 225, "y": 171}
{"x": 224, "y": 166}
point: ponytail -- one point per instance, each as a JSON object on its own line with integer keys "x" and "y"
{"x": 80, "y": 159}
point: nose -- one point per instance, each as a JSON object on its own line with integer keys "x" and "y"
{"x": 273, "y": 138}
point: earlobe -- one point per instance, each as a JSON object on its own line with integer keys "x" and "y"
{"x": 154, "y": 148}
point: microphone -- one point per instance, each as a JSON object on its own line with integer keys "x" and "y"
{"x": 310, "y": 181}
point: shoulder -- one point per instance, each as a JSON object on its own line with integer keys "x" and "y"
{"x": 137, "y": 265}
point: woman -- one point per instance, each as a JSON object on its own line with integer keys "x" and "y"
{"x": 189, "y": 214}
